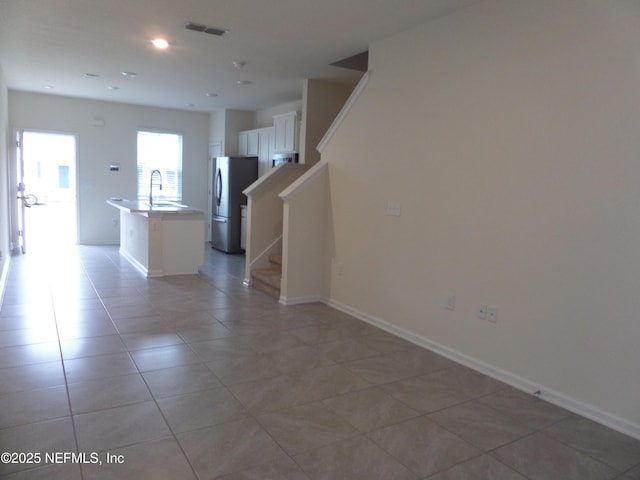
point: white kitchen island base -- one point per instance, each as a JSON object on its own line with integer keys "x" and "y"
{"x": 161, "y": 241}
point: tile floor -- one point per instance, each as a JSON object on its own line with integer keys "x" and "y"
{"x": 198, "y": 377}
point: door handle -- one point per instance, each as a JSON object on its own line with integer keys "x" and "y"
{"x": 24, "y": 200}
{"x": 219, "y": 187}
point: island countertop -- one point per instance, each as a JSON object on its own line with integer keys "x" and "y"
{"x": 139, "y": 206}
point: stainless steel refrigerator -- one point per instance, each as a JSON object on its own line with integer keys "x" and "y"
{"x": 231, "y": 176}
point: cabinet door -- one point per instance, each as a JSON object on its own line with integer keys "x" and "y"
{"x": 265, "y": 143}
{"x": 252, "y": 143}
{"x": 285, "y": 128}
{"x": 280, "y": 133}
{"x": 243, "y": 144}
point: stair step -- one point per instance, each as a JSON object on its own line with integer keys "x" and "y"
{"x": 268, "y": 280}
{"x": 265, "y": 288}
{"x": 276, "y": 259}
{"x": 270, "y": 276}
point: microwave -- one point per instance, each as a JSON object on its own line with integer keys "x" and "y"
{"x": 279, "y": 158}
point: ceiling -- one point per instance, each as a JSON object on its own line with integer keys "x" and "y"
{"x": 48, "y": 46}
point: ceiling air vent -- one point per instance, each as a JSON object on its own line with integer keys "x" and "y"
{"x": 196, "y": 27}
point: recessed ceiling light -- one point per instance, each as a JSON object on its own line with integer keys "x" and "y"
{"x": 129, "y": 74}
{"x": 90, "y": 76}
{"x": 113, "y": 87}
{"x": 160, "y": 43}
{"x": 211, "y": 94}
{"x": 239, "y": 65}
{"x": 47, "y": 87}
{"x": 191, "y": 105}
{"x": 244, "y": 82}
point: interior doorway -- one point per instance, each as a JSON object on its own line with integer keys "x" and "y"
{"x": 48, "y": 179}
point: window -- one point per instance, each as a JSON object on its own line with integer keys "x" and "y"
{"x": 63, "y": 176}
{"x": 160, "y": 151}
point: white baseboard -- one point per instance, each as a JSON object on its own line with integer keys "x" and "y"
{"x": 552, "y": 396}
{"x": 300, "y": 300}
{"x": 140, "y": 267}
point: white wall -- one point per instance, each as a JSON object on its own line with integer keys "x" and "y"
{"x": 98, "y": 147}
{"x": 304, "y": 214}
{"x": 4, "y": 179}
{"x": 216, "y": 128}
{"x": 321, "y": 102}
{"x": 509, "y": 134}
{"x": 236, "y": 121}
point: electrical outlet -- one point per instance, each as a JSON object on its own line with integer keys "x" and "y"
{"x": 492, "y": 314}
{"x": 451, "y": 302}
{"x": 481, "y": 313}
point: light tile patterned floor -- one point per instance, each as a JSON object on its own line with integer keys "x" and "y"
{"x": 199, "y": 377}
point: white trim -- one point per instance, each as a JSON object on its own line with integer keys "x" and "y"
{"x": 270, "y": 176}
{"x": 351, "y": 101}
{"x": 300, "y": 182}
{"x": 552, "y": 396}
{"x": 140, "y": 267}
{"x": 300, "y": 300}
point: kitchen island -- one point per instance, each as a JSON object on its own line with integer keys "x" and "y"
{"x": 162, "y": 239}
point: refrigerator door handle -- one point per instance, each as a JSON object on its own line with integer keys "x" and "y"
{"x": 219, "y": 219}
{"x": 218, "y": 187}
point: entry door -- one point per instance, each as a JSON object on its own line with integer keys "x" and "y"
{"x": 22, "y": 203}
{"x": 45, "y": 166}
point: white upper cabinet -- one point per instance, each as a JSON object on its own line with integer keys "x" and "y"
{"x": 285, "y": 132}
{"x": 257, "y": 143}
{"x": 248, "y": 144}
{"x": 265, "y": 148}
{"x": 243, "y": 144}
{"x": 252, "y": 143}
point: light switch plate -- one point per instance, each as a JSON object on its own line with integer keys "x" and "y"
{"x": 394, "y": 209}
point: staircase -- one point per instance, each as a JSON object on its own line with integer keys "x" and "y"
{"x": 267, "y": 280}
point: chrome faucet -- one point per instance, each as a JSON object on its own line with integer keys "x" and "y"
{"x": 153, "y": 172}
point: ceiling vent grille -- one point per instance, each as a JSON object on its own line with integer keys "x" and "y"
{"x": 196, "y": 27}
